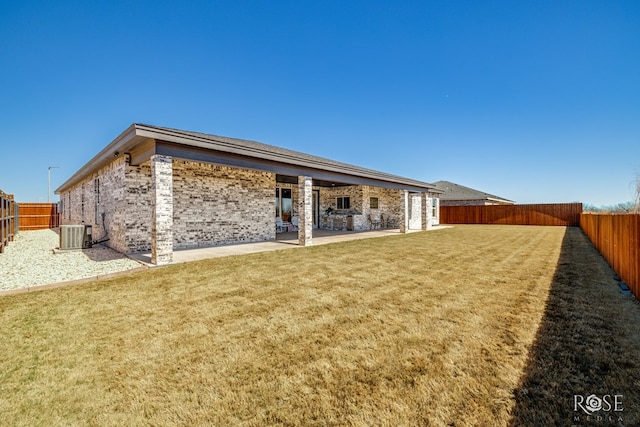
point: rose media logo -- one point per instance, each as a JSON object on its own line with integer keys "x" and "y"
{"x": 605, "y": 408}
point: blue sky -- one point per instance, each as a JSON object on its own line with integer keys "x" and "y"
{"x": 535, "y": 101}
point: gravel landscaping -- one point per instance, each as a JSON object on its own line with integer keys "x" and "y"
{"x": 30, "y": 260}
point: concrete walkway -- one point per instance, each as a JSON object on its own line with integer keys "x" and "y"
{"x": 283, "y": 241}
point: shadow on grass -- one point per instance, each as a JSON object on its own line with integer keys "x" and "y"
{"x": 587, "y": 344}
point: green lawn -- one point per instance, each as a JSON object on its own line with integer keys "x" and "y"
{"x": 473, "y": 325}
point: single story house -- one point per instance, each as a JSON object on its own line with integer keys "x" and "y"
{"x": 458, "y": 195}
{"x": 159, "y": 189}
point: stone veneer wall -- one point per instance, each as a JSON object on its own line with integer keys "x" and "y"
{"x": 360, "y": 195}
{"x": 329, "y": 196}
{"x": 415, "y": 211}
{"x": 389, "y": 204}
{"x": 215, "y": 205}
{"x": 138, "y": 207}
{"x": 79, "y": 204}
{"x": 212, "y": 205}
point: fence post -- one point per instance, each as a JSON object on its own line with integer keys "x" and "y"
{"x": 16, "y": 218}
{"x": 617, "y": 238}
{"x": 11, "y": 215}
{"x": 7, "y": 231}
{"x": 2, "y": 209}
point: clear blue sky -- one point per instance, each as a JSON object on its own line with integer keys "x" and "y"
{"x": 535, "y": 101}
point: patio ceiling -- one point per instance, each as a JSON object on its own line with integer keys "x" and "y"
{"x": 286, "y": 179}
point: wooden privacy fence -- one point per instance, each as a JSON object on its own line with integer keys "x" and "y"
{"x": 39, "y": 216}
{"x": 617, "y": 237}
{"x": 567, "y": 214}
{"x": 8, "y": 215}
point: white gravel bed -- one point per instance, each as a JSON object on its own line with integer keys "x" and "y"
{"x": 30, "y": 261}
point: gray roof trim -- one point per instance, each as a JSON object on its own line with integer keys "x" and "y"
{"x": 270, "y": 152}
{"x": 453, "y": 191}
{"x": 123, "y": 143}
{"x": 137, "y": 134}
{"x": 179, "y": 151}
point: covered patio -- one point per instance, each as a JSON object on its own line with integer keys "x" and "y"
{"x": 323, "y": 194}
{"x": 163, "y": 190}
{"x": 350, "y": 203}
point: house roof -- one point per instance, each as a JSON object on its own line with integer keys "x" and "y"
{"x": 453, "y": 191}
{"x": 141, "y": 141}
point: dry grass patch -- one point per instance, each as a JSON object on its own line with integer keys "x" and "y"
{"x": 588, "y": 344}
{"x": 424, "y": 329}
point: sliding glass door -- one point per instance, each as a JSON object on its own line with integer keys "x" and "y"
{"x": 283, "y": 204}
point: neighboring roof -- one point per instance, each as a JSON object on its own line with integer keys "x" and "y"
{"x": 141, "y": 141}
{"x": 453, "y": 191}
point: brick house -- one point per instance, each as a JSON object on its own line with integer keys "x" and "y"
{"x": 158, "y": 189}
{"x": 458, "y": 195}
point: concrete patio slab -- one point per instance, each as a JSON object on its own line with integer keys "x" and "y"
{"x": 283, "y": 241}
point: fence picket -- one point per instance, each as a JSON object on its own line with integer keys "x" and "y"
{"x": 567, "y": 214}
{"x": 39, "y": 216}
{"x": 7, "y": 220}
{"x": 617, "y": 237}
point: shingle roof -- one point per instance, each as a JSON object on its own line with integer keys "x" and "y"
{"x": 136, "y": 135}
{"x": 453, "y": 191}
{"x": 272, "y": 152}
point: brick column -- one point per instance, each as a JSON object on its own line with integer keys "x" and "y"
{"x": 162, "y": 208}
{"x": 425, "y": 211}
{"x": 404, "y": 205}
{"x": 305, "y": 211}
{"x": 429, "y": 211}
{"x": 436, "y": 219}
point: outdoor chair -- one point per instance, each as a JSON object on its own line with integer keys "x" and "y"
{"x": 280, "y": 227}
{"x": 374, "y": 220}
{"x": 391, "y": 222}
{"x": 388, "y": 222}
{"x": 294, "y": 221}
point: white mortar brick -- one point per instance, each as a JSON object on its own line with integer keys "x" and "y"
{"x": 162, "y": 209}
{"x": 305, "y": 220}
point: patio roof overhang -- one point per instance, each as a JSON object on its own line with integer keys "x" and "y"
{"x": 140, "y": 142}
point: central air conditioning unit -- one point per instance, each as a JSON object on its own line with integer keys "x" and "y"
{"x": 75, "y": 236}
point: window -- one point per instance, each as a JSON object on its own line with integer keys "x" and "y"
{"x": 283, "y": 203}
{"x": 373, "y": 203}
{"x": 343, "y": 202}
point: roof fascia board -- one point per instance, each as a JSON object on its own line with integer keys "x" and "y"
{"x": 142, "y": 152}
{"x": 120, "y": 144}
{"x": 230, "y": 147}
{"x": 207, "y": 155}
{"x": 494, "y": 199}
{"x": 142, "y": 141}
